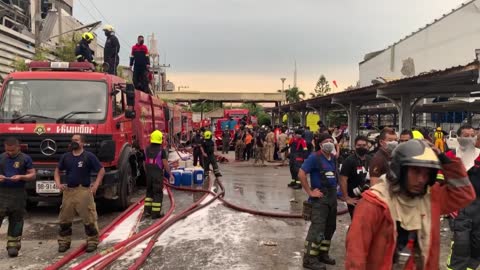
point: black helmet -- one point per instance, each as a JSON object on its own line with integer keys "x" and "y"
{"x": 412, "y": 153}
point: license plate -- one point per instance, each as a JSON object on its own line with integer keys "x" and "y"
{"x": 47, "y": 187}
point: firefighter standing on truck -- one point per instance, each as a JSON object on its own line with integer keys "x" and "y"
{"x": 322, "y": 193}
{"x": 140, "y": 61}
{"x": 156, "y": 161}
{"x": 439, "y": 140}
{"x": 78, "y": 193}
{"x": 397, "y": 221}
{"x": 15, "y": 170}
{"x": 82, "y": 51}
{"x": 208, "y": 152}
{"x": 111, "y": 50}
{"x": 465, "y": 253}
{"x": 298, "y": 152}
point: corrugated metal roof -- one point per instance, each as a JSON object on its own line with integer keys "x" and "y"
{"x": 371, "y": 55}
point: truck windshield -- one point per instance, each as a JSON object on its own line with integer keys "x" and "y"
{"x": 47, "y": 100}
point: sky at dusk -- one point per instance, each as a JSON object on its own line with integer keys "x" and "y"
{"x": 248, "y": 45}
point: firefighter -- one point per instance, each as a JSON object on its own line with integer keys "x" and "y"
{"x": 82, "y": 51}
{"x": 439, "y": 140}
{"x": 270, "y": 147}
{"x": 465, "y": 253}
{"x": 397, "y": 222}
{"x": 298, "y": 150}
{"x": 208, "y": 151}
{"x": 226, "y": 141}
{"x": 156, "y": 163}
{"x": 111, "y": 50}
{"x": 322, "y": 193}
{"x": 240, "y": 143}
{"x": 15, "y": 170}
{"x": 197, "y": 151}
{"x": 78, "y": 193}
{"x": 140, "y": 61}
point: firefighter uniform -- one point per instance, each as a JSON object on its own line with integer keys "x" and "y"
{"x": 240, "y": 144}
{"x": 298, "y": 152}
{"x": 323, "y": 176}
{"x": 13, "y": 197}
{"x": 83, "y": 51}
{"x": 225, "y": 141}
{"x": 439, "y": 142}
{"x": 465, "y": 252}
{"x": 78, "y": 198}
{"x": 270, "y": 147}
{"x": 197, "y": 151}
{"x": 111, "y": 50}
{"x": 155, "y": 156}
{"x": 208, "y": 148}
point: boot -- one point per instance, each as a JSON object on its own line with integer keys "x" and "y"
{"x": 312, "y": 262}
{"x": 291, "y": 184}
{"x": 91, "y": 247}
{"x": 297, "y": 185}
{"x": 324, "y": 258}
{"x": 12, "y": 252}
{"x": 63, "y": 247}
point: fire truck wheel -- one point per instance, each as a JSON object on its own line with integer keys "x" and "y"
{"x": 125, "y": 185}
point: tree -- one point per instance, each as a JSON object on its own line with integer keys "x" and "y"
{"x": 294, "y": 95}
{"x": 323, "y": 87}
{"x": 65, "y": 50}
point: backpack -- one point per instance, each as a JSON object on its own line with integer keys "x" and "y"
{"x": 152, "y": 161}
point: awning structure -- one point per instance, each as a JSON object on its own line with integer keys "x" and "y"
{"x": 404, "y": 94}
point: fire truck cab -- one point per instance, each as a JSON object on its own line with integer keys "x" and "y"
{"x": 45, "y": 106}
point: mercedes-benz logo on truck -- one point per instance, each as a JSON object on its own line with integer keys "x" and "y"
{"x": 48, "y": 147}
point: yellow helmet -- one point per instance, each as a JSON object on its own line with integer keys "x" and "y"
{"x": 108, "y": 27}
{"x": 207, "y": 135}
{"x": 439, "y": 128}
{"x": 417, "y": 135}
{"x": 87, "y": 36}
{"x": 156, "y": 137}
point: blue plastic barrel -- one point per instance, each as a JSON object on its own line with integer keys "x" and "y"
{"x": 187, "y": 177}
{"x": 177, "y": 178}
{"x": 198, "y": 176}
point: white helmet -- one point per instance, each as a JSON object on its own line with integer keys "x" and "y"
{"x": 108, "y": 27}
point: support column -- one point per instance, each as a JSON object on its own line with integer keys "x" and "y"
{"x": 352, "y": 113}
{"x": 405, "y": 113}
{"x": 290, "y": 119}
{"x": 303, "y": 118}
{"x": 272, "y": 118}
{"x": 379, "y": 120}
{"x": 469, "y": 118}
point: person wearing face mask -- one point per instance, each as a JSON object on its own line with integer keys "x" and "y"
{"x": 111, "y": 50}
{"x": 82, "y": 51}
{"x": 322, "y": 193}
{"x": 140, "y": 61}
{"x": 353, "y": 174}
{"x": 397, "y": 222}
{"x": 78, "y": 193}
{"x": 379, "y": 163}
{"x": 465, "y": 251}
{"x": 15, "y": 170}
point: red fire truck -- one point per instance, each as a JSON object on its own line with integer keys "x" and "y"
{"x": 43, "y": 107}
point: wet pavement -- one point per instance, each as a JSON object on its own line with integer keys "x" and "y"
{"x": 215, "y": 237}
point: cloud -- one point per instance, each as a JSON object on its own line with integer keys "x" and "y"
{"x": 261, "y": 39}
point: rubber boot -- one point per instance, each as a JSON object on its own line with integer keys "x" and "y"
{"x": 12, "y": 252}
{"x": 297, "y": 185}
{"x": 310, "y": 258}
{"x": 292, "y": 183}
{"x": 63, "y": 247}
{"x": 323, "y": 256}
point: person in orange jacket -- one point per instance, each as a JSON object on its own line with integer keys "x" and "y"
{"x": 397, "y": 222}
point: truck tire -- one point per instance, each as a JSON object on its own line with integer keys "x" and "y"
{"x": 126, "y": 181}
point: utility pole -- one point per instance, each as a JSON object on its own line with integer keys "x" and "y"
{"x": 38, "y": 22}
{"x": 59, "y": 13}
{"x": 283, "y": 84}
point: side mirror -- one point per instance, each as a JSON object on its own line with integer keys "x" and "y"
{"x": 106, "y": 151}
{"x": 130, "y": 91}
{"x": 130, "y": 114}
